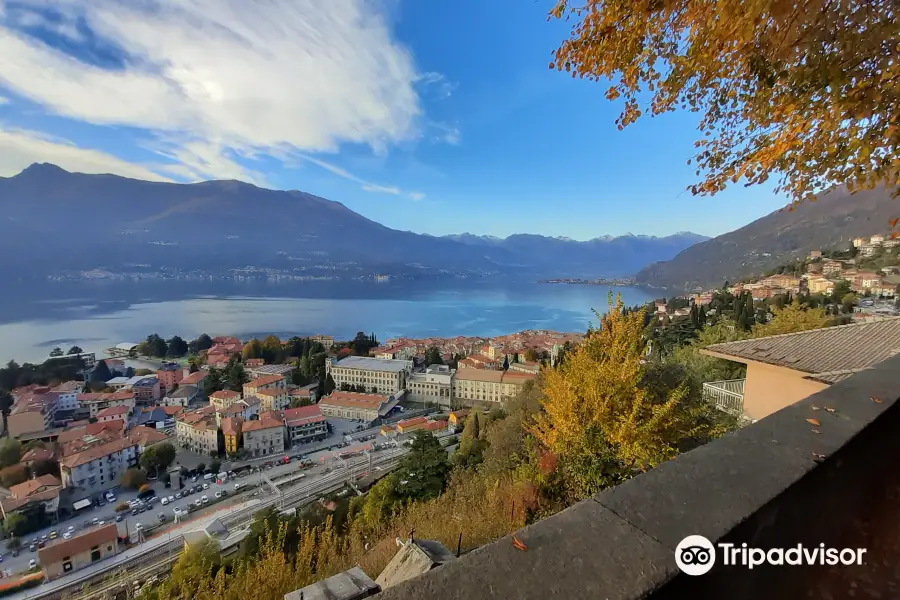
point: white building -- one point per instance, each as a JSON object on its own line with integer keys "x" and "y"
{"x": 67, "y": 394}
{"x": 97, "y": 468}
{"x": 376, "y": 375}
{"x": 434, "y": 386}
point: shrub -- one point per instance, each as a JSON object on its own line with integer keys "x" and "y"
{"x": 123, "y": 507}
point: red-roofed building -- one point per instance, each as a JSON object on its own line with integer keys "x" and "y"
{"x": 113, "y": 413}
{"x": 44, "y": 490}
{"x": 408, "y": 425}
{"x": 94, "y": 403}
{"x": 98, "y": 467}
{"x": 265, "y": 436}
{"x": 231, "y": 430}
{"x": 305, "y": 424}
{"x": 250, "y": 363}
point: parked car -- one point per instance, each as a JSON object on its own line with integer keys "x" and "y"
{"x": 238, "y": 486}
{"x": 204, "y": 499}
{"x": 165, "y": 501}
{"x": 95, "y": 521}
{"x": 139, "y": 527}
{"x": 218, "y": 495}
{"x": 161, "y": 518}
{"x": 32, "y": 548}
{"x": 194, "y": 479}
{"x": 32, "y": 563}
{"x": 53, "y": 534}
{"x": 118, "y": 518}
{"x": 171, "y": 498}
{"x": 178, "y": 496}
{"x": 205, "y": 486}
{"x": 198, "y": 502}
{"x": 67, "y": 535}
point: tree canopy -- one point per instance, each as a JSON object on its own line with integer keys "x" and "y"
{"x": 807, "y": 90}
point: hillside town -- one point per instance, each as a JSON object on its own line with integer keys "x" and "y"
{"x": 870, "y": 270}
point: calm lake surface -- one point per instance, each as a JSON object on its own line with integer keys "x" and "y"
{"x": 100, "y": 314}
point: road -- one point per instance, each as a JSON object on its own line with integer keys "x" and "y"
{"x": 106, "y": 513}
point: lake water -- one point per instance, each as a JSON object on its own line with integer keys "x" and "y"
{"x": 97, "y": 315}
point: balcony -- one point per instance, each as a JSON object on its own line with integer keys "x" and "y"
{"x": 728, "y": 396}
{"x": 776, "y": 483}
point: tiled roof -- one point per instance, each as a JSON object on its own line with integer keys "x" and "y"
{"x": 353, "y": 400}
{"x": 194, "y": 378}
{"x": 302, "y": 413}
{"x": 231, "y": 426}
{"x": 58, "y": 550}
{"x": 373, "y": 364}
{"x": 479, "y": 375}
{"x": 146, "y": 436}
{"x": 36, "y": 454}
{"x": 95, "y": 452}
{"x": 271, "y": 392}
{"x": 828, "y": 354}
{"x": 113, "y": 411}
{"x": 251, "y": 401}
{"x": 264, "y": 380}
{"x": 27, "y": 488}
{"x": 267, "y": 422}
{"x": 224, "y": 395}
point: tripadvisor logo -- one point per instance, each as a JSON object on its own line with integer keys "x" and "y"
{"x": 696, "y": 555}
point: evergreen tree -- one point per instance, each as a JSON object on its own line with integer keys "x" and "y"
{"x": 505, "y": 363}
{"x": 101, "y": 372}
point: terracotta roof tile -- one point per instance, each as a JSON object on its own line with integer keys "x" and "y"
{"x": 55, "y": 552}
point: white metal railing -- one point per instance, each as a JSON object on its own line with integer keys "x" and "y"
{"x": 728, "y": 396}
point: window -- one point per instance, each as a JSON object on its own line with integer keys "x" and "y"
{"x": 95, "y": 553}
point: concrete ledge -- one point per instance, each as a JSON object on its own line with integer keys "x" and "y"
{"x": 775, "y": 483}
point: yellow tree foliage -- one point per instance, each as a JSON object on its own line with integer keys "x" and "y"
{"x": 791, "y": 319}
{"x": 809, "y": 89}
{"x": 597, "y": 416}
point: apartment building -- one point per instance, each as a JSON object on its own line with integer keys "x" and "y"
{"x": 198, "y": 431}
{"x": 196, "y": 379}
{"x": 351, "y": 405}
{"x": 43, "y": 491}
{"x": 94, "y": 403}
{"x": 278, "y": 399}
{"x": 402, "y": 351}
{"x": 231, "y": 431}
{"x": 265, "y": 436}
{"x": 169, "y": 376}
{"x": 263, "y": 370}
{"x": 831, "y": 268}
{"x": 266, "y": 382}
{"x": 223, "y": 399}
{"x": 98, "y": 467}
{"x": 479, "y": 385}
{"x": 245, "y": 409}
{"x": 434, "y": 386}
{"x": 378, "y": 375}
{"x": 33, "y": 410}
{"x": 305, "y": 424}
{"x": 67, "y": 394}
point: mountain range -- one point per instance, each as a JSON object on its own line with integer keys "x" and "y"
{"x": 831, "y": 221}
{"x": 53, "y": 223}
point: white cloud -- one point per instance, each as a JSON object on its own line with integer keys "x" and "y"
{"x": 366, "y": 186}
{"x": 443, "y": 86}
{"x": 4, "y": 100}
{"x": 416, "y": 195}
{"x": 380, "y": 189}
{"x": 226, "y": 78}
{"x": 19, "y": 148}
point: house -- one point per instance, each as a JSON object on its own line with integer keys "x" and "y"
{"x": 196, "y": 379}
{"x": 183, "y": 395}
{"x": 36, "y": 454}
{"x": 246, "y": 409}
{"x": 876, "y": 240}
{"x": 146, "y": 389}
{"x": 94, "y": 403}
{"x": 266, "y": 382}
{"x": 169, "y": 376}
{"x": 118, "y": 383}
{"x": 158, "y": 417}
{"x": 353, "y": 405}
{"x": 819, "y": 285}
{"x": 857, "y": 242}
{"x": 43, "y": 490}
{"x": 831, "y": 268}
{"x": 869, "y": 249}
{"x": 265, "y": 436}
{"x": 62, "y": 557}
{"x": 408, "y": 425}
{"x": 783, "y": 369}
{"x": 867, "y": 279}
{"x": 814, "y": 254}
{"x": 402, "y": 351}
{"x": 222, "y": 399}
{"x": 305, "y": 424}
{"x": 231, "y": 430}
{"x": 97, "y": 468}
{"x": 114, "y": 413}
{"x": 378, "y": 375}
{"x": 307, "y": 392}
{"x": 326, "y": 340}
{"x": 250, "y": 363}
{"x": 525, "y": 367}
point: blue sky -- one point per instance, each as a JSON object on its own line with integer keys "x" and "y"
{"x": 436, "y": 117}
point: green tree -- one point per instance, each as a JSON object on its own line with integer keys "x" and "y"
{"x": 235, "y": 376}
{"x": 56, "y": 351}
{"x": 848, "y": 301}
{"x": 213, "y": 382}
{"x": 203, "y": 342}
{"x": 176, "y": 347}
{"x": 15, "y": 525}
{"x": 45, "y": 467}
{"x": 165, "y": 454}
{"x": 193, "y": 366}
{"x": 133, "y": 479}
{"x": 6, "y": 404}
{"x": 433, "y": 356}
{"x": 101, "y": 372}
{"x": 153, "y": 346}
{"x": 252, "y": 349}
{"x": 505, "y": 363}
{"x": 792, "y": 318}
{"x": 13, "y": 475}
{"x": 75, "y": 350}
{"x": 214, "y": 465}
{"x": 841, "y": 289}
{"x": 298, "y": 402}
{"x": 272, "y": 349}
{"x": 424, "y": 468}
{"x": 531, "y": 355}
{"x": 471, "y": 444}
{"x": 10, "y": 452}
